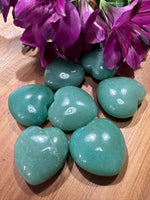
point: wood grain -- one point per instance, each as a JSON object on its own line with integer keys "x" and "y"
{"x": 71, "y": 183}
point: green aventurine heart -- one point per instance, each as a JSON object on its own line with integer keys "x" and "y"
{"x": 40, "y": 153}
{"x": 93, "y": 64}
{"x": 120, "y": 96}
{"x": 72, "y": 108}
{"x": 98, "y": 147}
{"x": 29, "y": 104}
{"x": 60, "y": 73}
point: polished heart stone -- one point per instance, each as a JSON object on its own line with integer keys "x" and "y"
{"x": 60, "y": 73}
{"x": 93, "y": 64}
{"x": 120, "y": 96}
{"x": 40, "y": 153}
{"x": 98, "y": 147}
{"x": 72, "y": 108}
{"x": 29, "y": 104}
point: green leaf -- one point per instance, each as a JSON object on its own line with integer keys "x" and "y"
{"x": 118, "y": 3}
{"x": 103, "y": 4}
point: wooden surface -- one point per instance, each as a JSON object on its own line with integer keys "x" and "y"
{"x": 71, "y": 183}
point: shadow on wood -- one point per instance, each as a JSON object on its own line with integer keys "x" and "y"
{"x": 81, "y": 174}
{"x": 31, "y": 72}
{"x": 46, "y": 188}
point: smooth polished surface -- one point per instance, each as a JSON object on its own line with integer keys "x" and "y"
{"x": 98, "y": 147}
{"x": 73, "y": 183}
{"x": 72, "y": 108}
{"x": 60, "y": 73}
{"x": 120, "y": 96}
{"x": 29, "y": 104}
{"x": 93, "y": 64}
{"x": 40, "y": 153}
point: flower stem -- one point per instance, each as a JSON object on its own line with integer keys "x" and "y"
{"x": 103, "y": 4}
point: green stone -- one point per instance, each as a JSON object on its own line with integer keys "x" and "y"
{"x": 93, "y": 64}
{"x": 60, "y": 73}
{"x": 72, "y": 108}
{"x": 120, "y": 96}
{"x": 40, "y": 153}
{"x": 99, "y": 147}
{"x": 29, "y": 104}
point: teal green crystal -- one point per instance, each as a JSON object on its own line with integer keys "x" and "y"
{"x": 40, "y": 153}
{"x": 29, "y": 104}
{"x": 72, "y": 108}
{"x": 120, "y": 96}
{"x": 98, "y": 147}
{"x": 93, "y": 64}
{"x": 60, "y": 73}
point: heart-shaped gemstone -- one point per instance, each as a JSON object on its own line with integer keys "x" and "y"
{"x": 29, "y": 104}
{"x": 93, "y": 64}
{"x": 120, "y": 96}
{"x": 60, "y": 73}
{"x": 98, "y": 147}
{"x": 40, "y": 153}
{"x": 72, "y": 108}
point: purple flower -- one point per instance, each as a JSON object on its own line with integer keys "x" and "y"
{"x": 55, "y": 21}
{"x": 47, "y": 54}
{"x": 128, "y": 35}
{"x": 91, "y": 23}
{"x": 91, "y": 32}
{"x": 58, "y": 33}
{"x": 5, "y": 5}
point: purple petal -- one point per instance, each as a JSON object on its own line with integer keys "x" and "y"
{"x": 24, "y": 8}
{"x": 90, "y": 20}
{"x": 5, "y": 2}
{"x": 139, "y": 46}
{"x": 112, "y": 52}
{"x": 142, "y": 18}
{"x": 5, "y": 11}
{"x": 141, "y": 31}
{"x": 85, "y": 12}
{"x": 5, "y": 6}
{"x": 30, "y": 12}
{"x": 21, "y": 24}
{"x": 46, "y": 32}
{"x": 68, "y": 28}
{"x": 102, "y": 23}
{"x": 39, "y": 35}
{"x": 75, "y": 51}
{"x": 145, "y": 6}
{"x": 28, "y": 37}
{"x": 137, "y": 52}
{"x": 123, "y": 35}
{"x": 143, "y": 15}
{"x": 54, "y": 18}
{"x": 147, "y": 27}
{"x": 125, "y": 70}
{"x": 47, "y": 54}
{"x": 124, "y": 14}
{"x": 94, "y": 33}
{"x": 133, "y": 58}
{"x": 60, "y": 7}
{"x": 13, "y": 2}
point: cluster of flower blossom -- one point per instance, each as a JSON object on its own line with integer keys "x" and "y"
{"x": 59, "y": 28}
